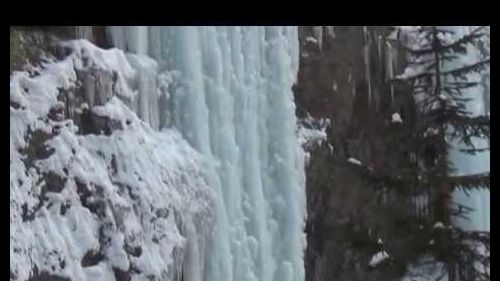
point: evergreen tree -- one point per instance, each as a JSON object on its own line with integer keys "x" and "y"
{"x": 439, "y": 92}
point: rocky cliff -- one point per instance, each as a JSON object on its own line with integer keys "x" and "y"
{"x": 95, "y": 193}
{"x": 345, "y": 76}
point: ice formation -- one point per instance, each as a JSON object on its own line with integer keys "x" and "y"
{"x": 233, "y": 102}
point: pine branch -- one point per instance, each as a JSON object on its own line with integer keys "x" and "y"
{"x": 465, "y": 128}
{"x": 449, "y": 57}
{"x": 417, "y": 76}
{"x": 460, "y": 126}
{"x": 467, "y": 38}
{"x": 462, "y": 84}
{"x": 445, "y": 30}
{"x": 475, "y": 181}
{"x": 461, "y": 211}
{"x": 473, "y": 151}
{"x": 461, "y": 71}
{"x": 458, "y": 46}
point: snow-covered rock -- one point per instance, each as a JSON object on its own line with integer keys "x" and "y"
{"x": 396, "y": 118}
{"x": 439, "y": 225}
{"x": 378, "y": 258}
{"x": 97, "y": 206}
{"x": 312, "y": 131}
{"x": 312, "y": 40}
{"x": 354, "y": 161}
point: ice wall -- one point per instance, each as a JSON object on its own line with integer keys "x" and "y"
{"x": 233, "y": 102}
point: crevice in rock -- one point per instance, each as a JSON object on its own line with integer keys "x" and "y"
{"x": 121, "y": 275}
{"x": 36, "y": 148}
{"x": 91, "y": 198}
{"x": 45, "y": 276}
{"x": 92, "y": 257}
{"x": 134, "y": 251}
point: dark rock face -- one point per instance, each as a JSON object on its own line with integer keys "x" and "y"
{"x": 345, "y": 77}
{"x": 92, "y": 258}
{"x": 97, "y": 88}
{"x": 78, "y": 102}
{"x": 37, "y": 148}
{"x": 44, "y": 276}
{"x": 33, "y": 43}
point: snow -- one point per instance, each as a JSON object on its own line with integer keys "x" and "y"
{"x": 115, "y": 109}
{"x": 438, "y": 225}
{"x": 409, "y": 28}
{"x": 354, "y": 161}
{"x": 155, "y": 170}
{"x": 330, "y": 147}
{"x": 87, "y": 55}
{"x": 445, "y": 38}
{"x": 378, "y": 258}
{"x": 431, "y": 132}
{"x": 307, "y": 135}
{"x": 312, "y": 39}
{"x": 409, "y": 72}
{"x": 396, "y": 118}
{"x": 312, "y": 132}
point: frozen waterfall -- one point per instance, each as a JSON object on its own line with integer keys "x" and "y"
{"x": 228, "y": 89}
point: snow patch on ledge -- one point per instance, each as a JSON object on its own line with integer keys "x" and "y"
{"x": 354, "y": 161}
{"x": 439, "y": 225}
{"x": 396, "y": 118}
{"x": 378, "y": 258}
{"x": 312, "y": 40}
{"x": 312, "y": 131}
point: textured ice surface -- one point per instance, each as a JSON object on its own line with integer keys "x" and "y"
{"x": 233, "y": 102}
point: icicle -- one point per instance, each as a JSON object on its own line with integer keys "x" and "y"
{"x": 318, "y": 34}
{"x": 366, "y": 58}
{"x": 390, "y": 68}
{"x": 330, "y": 31}
{"x": 84, "y": 32}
